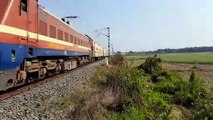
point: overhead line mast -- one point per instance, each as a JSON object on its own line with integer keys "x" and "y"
{"x": 107, "y": 35}
{"x": 108, "y": 41}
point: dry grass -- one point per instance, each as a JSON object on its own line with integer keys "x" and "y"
{"x": 179, "y": 113}
{"x": 93, "y": 99}
{"x": 104, "y": 95}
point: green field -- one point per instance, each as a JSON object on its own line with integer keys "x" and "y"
{"x": 200, "y": 58}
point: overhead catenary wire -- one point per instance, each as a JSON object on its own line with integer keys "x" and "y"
{"x": 82, "y": 24}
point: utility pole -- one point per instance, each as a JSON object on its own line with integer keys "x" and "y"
{"x": 107, "y": 35}
{"x": 112, "y": 50}
{"x": 108, "y": 41}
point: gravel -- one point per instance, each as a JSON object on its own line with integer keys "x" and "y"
{"x": 43, "y": 103}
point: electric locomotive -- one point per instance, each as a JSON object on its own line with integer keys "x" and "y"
{"x": 35, "y": 44}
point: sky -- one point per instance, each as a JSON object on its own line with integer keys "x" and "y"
{"x": 140, "y": 25}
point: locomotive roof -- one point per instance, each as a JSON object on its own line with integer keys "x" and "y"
{"x": 66, "y": 24}
{"x": 42, "y": 8}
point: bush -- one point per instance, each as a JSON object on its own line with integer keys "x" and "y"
{"x": 153, "y": 106}
{"x": 132, "y": 113}
{"x": 205, "y": 112}
{"x": 153, "y": 67}
{"x": 136, "y": 96}
{"x": 155, "y": 103}
{"x": 170, "y": 85}
{"x": 117, "y": 59}
{"x": 193, "y": 94}
{"x": 127, "y": 81}
{"x": 146, "y": 92}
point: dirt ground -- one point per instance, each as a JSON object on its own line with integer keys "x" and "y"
{"x": 205, "y": 71}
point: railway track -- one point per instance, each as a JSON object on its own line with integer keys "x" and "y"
{"x": 16, "y": 91}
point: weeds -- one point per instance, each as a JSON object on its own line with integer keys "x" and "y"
{"x": 65, "y": 103}
{"x": 147, "y": 92}
{"x": 117, "y": 59}
{"x": 165, "y": 90}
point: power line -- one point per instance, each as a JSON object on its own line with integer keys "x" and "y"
{"x": 82, "y": 23}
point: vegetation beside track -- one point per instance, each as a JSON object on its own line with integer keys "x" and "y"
{"x": 124, "y": 92}
{"x": 192, "y": 58}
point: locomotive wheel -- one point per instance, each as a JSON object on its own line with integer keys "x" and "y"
{"x": 50, "y": 73}
{"x": 58, "y": 69}
{"x": 42, "y": 73}
{"x": 30, "y": 79}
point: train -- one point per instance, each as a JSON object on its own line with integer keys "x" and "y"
{"x": 35, "y": 44}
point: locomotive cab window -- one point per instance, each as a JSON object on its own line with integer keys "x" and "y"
{"x": 24, "y": 4}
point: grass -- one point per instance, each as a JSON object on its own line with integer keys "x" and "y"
{"x": 166, "y": 95}
{"x": 201, "y": 58}
{"x": 125, "y": 92}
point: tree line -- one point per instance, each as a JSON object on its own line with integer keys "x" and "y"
{"x": 169, "y": 50}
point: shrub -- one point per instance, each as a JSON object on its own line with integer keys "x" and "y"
{"x": 170, "y": 85}
{"x": 193, "y": 94}
{"x": 155, "y": 103}
{"x": 147, "y": 92}
{"x": 127, "y": 81}
{"x": 132, "y": 113}
{"x": 153, "y": 106}
{"x": 117, "y": 59}
{"x": 202, "y": 99}
{"x": 151, "y": 65}
{"x": 205, "y": 112}
{"x": 137, "y": 98}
